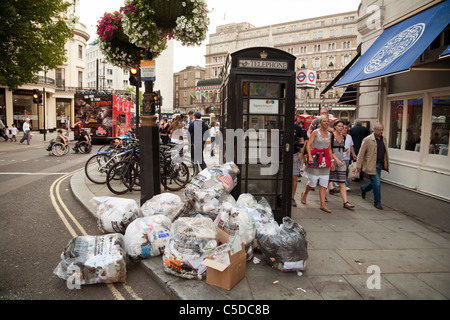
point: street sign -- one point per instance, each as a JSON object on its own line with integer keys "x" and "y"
{"x": 306, "y": 78}
{"x": 148, "y": 70}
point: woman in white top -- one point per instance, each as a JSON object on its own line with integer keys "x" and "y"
{"x": 349, "y": 147}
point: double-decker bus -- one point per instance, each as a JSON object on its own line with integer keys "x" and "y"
{"x": 103, "y": 115}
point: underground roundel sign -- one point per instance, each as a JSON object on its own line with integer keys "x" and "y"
{"x": 301, "y": 76}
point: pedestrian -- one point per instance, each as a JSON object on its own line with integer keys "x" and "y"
{"x": 13, "y": 131}
{"x": 176, "y": 130}
{"x": 299, "y": 146}
{"x": 349, "y": 150}
{"x": 315, "y": 123}
{"x": 3, "y": 131}
{"x": 26, "y": 127}
{"x": 373, "y": 158}
{"x": 338, "y": 172}
{"x": 191, "y": 118}
{"x": 212, "y": 134}
{"x": 198, "y": 131}
{"x": 164, "y": 128}
{"x": 358, "y": 133}
{"x": 318, "y": 168}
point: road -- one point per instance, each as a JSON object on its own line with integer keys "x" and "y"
{"x": 36, "y": 210}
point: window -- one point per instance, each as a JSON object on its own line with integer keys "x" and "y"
{"x": 414, "y": 124}
{"x": 440, "y": 122}
{"x": 395, "y": 137}
{"x": 80, "y": 79}
{"x": 80, "y": 52}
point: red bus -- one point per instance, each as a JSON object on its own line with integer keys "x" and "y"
{"x": 103, "y": 115}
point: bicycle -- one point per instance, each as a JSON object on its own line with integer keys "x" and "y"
{"x": 123, "y": 175}
{"x": 177, "y": 152}
{"x": 175, "y": 174}
{"x": 97, "y": 166}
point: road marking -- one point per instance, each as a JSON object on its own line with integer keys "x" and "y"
{"x": 35, "y": 173}
{"x": 54, "y": 189}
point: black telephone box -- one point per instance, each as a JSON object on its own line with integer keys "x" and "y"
{"x": 257, "y": 123}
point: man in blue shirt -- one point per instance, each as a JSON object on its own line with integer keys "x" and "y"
{"x": 198, "y": 131}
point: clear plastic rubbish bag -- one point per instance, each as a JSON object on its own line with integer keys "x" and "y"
{"x": 147, "y": 236}
{"x": 191, "y": 241}
{"x": 168, "y": 204}
{"x": 115, "y": 214}
{"x": 93, "y": 259}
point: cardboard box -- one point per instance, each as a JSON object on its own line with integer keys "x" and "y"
{"x": 226, "y": 276}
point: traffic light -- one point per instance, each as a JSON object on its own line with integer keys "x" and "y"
{"x": 37, "y": 96}
{"x": 158, "y": 98}
{"x": 135, "y": 77}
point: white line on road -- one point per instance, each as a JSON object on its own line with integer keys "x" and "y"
{"x": 36, "y": 173}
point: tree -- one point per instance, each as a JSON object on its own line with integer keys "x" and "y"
{"x": 32, "y": 38}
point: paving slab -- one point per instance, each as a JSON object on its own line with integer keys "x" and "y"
{"x": 339, "y": 240}
{"x": 334, "y": 288}
{"x": 438, "y": 281}
{"x": 399, "y": 240}
{"x": 413, "y": 287}
{"x": 397, "y": 260}
{"x": 386, "y": 292}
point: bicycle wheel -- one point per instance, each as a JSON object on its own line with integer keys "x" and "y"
{"x": 85, "y": 147}
{"x": 193, "y": 169}
{"x": 176, "y": 178}
{"x": 96, "y": 168}
{"x": 58, "y": 149}
{"x": 121, "y": 177}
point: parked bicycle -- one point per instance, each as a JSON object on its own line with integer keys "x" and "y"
{"x": 97, "y": 166}
{"x": 124, "y": 175}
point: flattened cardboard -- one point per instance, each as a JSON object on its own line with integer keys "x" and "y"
{"x": 226, "y": 276}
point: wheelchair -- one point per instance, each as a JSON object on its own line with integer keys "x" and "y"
{"x": 58, "y": 149}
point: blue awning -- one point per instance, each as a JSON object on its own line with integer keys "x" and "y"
{"x": 399, "y": 46}
{"x": 445, "y": 54}
{"x": 350, "y": 96}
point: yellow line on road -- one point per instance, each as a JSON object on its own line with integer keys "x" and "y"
{"x": 54, "y": 189}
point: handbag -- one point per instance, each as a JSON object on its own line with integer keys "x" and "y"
{"x": 353, "y": 171}
{"x": 321, "y": 158}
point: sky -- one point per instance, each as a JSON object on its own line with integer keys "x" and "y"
{"x": 257, "y": 12}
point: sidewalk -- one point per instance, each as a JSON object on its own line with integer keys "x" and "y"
{"x": 408, "y": 241}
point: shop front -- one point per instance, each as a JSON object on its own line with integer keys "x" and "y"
{"x": 23, "y": 107}
{"x": 403, "y": 82}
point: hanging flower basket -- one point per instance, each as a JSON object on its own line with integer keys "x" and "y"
{"x": 167, "y": 12}
{"x": 115, "y": 44}
{"x": 140, "y": 26}
{"x": 147, "y": 25}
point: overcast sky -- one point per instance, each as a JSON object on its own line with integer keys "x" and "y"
{"x": 257, "y": 12}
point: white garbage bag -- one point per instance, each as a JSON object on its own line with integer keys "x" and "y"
{"x": 115, "y": 214}
{"x": 147, "y": 236}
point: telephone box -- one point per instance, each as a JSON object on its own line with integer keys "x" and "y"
{"x": 257, "y": 123}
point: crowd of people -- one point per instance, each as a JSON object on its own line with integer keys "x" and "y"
{"x": 325, "y": 152}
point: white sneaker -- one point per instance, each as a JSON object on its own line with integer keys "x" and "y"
{"x": 347, "y": 188}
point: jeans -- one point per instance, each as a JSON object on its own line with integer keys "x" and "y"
{"x": 212, "y": 146}
{"x": 374, "y": 184}
{"x": 26, "y": 136}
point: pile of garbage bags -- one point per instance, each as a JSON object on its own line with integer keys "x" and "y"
{"x": 183, "y": 231}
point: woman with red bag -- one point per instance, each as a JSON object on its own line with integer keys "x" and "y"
{"x": 319, "y": 161}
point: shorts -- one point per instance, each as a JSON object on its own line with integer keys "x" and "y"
{"x": 322, "y": 180}
{"x": 296, "y": 165}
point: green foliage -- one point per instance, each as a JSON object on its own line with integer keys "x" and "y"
{"x": 32, "y": 38}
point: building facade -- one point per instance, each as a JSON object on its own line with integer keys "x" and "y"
{"x": 185, "y": 97}
{"x": 57, "y": 87}
{"x": 413, "y": 104}
{"x": 325, "y": 44}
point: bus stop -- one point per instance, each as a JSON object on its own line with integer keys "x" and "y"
{"x": 257, "y": 117}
